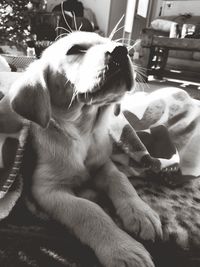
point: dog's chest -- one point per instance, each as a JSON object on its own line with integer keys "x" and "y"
{"x": 100, "y": 148}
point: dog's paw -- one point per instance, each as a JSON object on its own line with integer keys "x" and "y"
{"x": 138, "y": 218}
{"x": 125, "y": 252}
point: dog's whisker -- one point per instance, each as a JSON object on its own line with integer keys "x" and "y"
{"x": 62, "y": 28}
{"x": 130, "y": 48}
{"x": 138, "y": 68}
{"x": 118, "y": 30}
{"x": 72, "y": 99}
{"x": 63, "y": 14}
{"x": 139, "y": 71}
{"x": 75, "y": 93}
{"x": 135, "y": 65}
{"x": 124, "y": 39}
{"x": 91, "y": 101}
{"x": 103, "y": 75}
{"x": 141, "y": 84}
{"x": 80, "y": 26}
{"x": 124, "y": 43}
{"x": 135, "y": 44}
{"x": 115, "y": 28}
{"x": 141, "y": 77}
{"x": 66, "y": 82}
{"x": 75, "y": 24}
{"x": 59, "y": 36}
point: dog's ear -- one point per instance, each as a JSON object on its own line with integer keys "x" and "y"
{"x": 29, "y": 95}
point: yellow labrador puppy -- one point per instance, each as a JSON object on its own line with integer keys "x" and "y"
{"x": 69, "y": 95}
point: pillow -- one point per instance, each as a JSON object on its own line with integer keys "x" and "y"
{"x": 162, "y": 25}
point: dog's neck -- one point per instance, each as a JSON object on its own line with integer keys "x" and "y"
{"x": 83, "y": 120}
{"x": 91, "y": 118}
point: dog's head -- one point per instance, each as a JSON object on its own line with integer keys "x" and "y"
{"x": 77, "y": 70}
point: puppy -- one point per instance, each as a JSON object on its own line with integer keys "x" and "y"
{"x": 68, "y": 95}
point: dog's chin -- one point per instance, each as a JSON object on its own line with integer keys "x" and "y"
{"x": 110, "y": 90}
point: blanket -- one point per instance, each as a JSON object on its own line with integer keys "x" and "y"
{"x": 148, "y": 155}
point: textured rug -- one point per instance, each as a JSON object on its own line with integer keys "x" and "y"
{"x": 29, "y": 242}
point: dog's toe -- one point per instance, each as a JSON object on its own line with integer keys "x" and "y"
{"x": 126, "y": 252}
{"x": 140, "y": 220}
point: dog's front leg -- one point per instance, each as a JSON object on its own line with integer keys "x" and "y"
{"x": 137, "y": 216}
{"x": 94, "y": 227}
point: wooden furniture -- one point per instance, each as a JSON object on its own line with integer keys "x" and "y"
{"x": 154, "y": 54}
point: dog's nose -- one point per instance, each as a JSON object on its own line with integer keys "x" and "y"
{"x": 119, "y": 54}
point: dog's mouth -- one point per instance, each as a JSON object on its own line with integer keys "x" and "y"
{"x": 114, "y": 80}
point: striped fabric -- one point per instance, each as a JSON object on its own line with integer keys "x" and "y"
{"x": 10, "y": 171}
{"x": 11, "y": 152}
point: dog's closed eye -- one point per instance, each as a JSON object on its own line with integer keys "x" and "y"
{"x": 77, "y": 49}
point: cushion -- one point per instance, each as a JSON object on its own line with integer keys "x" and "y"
{"x": 164, "y": 22}
{"x": 162, "y": 25}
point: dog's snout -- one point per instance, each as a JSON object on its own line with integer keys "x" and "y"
{"x": 119, "y": 54}
{"x": 118, "y": 62}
